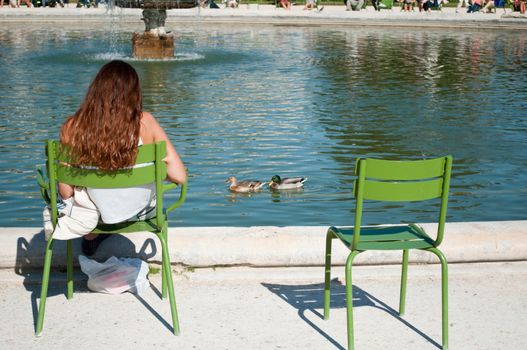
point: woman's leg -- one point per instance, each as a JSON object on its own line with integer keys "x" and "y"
{"x": 65, "y": 190}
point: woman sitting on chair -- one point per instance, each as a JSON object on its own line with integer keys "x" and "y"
{"x": 106, "y": 132}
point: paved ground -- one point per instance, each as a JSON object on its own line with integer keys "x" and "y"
{"x": 280, "y": 308}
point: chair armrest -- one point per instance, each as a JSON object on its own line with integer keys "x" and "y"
{"x": 43, "y": 183}
{"x": 169, "y": 186}
{"x": 41, "y": 176}
{"x": 182, "y": 195}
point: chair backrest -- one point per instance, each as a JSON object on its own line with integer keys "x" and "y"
{"x": 149, "y": 168}
{"x": 402, "y": 181}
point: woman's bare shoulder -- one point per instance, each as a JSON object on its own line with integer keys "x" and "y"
{"x": 149, "y": 127}
{"x": 65, "y": 131}
{"x": 147, "y": 117}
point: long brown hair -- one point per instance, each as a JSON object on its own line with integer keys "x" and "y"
{"x": 104, "y": 132}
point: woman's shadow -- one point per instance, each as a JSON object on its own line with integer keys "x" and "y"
{"x": 30, "y": 258}
{"x": 310, "y": 297}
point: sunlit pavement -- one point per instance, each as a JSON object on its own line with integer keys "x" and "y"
{"x": 274, "y": 308}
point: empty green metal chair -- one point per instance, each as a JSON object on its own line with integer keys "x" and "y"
{"x": 152, "y": 170}
{"x": 401, "y": 181}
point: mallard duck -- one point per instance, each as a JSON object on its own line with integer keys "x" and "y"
{"x": 244, "y": 185}
{"x": 287, "y": 183}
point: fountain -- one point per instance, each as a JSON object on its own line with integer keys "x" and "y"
{"x": 155, "y": 42}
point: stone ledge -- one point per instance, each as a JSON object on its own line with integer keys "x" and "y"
{"x": 268, "y": 246}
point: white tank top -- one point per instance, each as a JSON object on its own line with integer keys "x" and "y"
{"x": 121, "y": 204}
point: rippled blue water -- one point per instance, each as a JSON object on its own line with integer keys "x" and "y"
{"x": 253, "y": 101}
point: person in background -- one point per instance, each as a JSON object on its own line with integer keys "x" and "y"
{"x": 489, "y": 5}
{"x": 310, "y": 4}
{"x": 27, "y": 2}
{"x": 519, "y": 5}
{"x": 424, "y": 6}
{"x": 286, "y": 4}
{"x": 475, "y": 7}
{"x": 408, "y": 5}
{"x": 88, "y": 3}
{"x": 354, "y": 5}
{"x": 462, "y": 3}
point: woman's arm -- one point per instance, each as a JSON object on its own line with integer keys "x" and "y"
{"x": 175, "y": 169}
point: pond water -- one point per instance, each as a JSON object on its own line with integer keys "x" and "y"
{"x": 254, "y": 101}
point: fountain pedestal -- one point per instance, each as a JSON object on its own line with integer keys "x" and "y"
{"x": 149, "y": 45}
{"x": 154, "y": 42}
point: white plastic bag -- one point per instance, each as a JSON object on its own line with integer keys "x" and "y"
{"x": 116, "y": 275}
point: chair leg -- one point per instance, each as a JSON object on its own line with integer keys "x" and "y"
{"x": 69, "y": 268}
{"x": 349, "y": 298}
{"x": 404, "y": 274}
{"x": 444, "y": 294}
{"x": 170, "y": 282}
{"x": 164, "y": 272}
{"x": 163, "y": 280}
{"x": 44, "y": 288}
{"x": 327, "y": 275}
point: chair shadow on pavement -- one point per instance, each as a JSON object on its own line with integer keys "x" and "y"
{"x": 30, "y": 258}
{"x": 152, "y": 310}
{"x": 310, "y": 297}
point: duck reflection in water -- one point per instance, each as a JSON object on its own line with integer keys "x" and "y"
{"x": 277, "y": 195}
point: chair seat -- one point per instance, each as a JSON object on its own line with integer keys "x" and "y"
{"x": 386, "y": 237}
{"x": 148, "y": 225}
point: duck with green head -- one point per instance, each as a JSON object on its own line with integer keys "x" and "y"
{"x": 287, "y": 183}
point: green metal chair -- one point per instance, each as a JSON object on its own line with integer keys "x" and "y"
{"x": 383, "y": 5}
{"x": 152, "y": 170}
{"x": 402, "y": 181}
